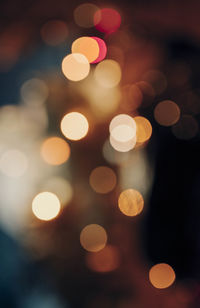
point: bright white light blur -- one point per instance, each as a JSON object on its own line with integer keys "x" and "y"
{"x": 123, "y": 146}
{"x": 75, "y": 67}
{"x": 74, "y": 126}
{"x": 46, "y": 206}
{"x": 13, "y": 163}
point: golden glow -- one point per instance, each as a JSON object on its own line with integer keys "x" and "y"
{"x": 93, "y": 238}
{"x": 54, "y": 32}
{"x": 74, "y": 126}
{"x": 84, "y": 15}
{"x": 103, "y": 261}
{"x": 46, "y": 206}
{"x": 167, "y": 113}
{"x": 75, "y": 67}
{"x": 144, "y": 129}
{"x": 87, "y": 46}
{"x": 59, "y": 186}
{"x": 34, "y": 91}
{"x": 108, "y": 73}
{"x": 55, "y": 151}
{"x": 13, "y": 163}
{"x": 131, "y": 202}
{"x": 102, "y": 179}
{"x": 162, "y": 276}
{"x": 186, "y": 128}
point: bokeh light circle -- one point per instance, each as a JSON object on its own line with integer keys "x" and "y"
{"x": 34, "y": 92}
{"x": 108, "y": 73}
{"x": 102, "y": 49}
{"x": 93, "y": 238}
{"x": 167, "y": 113}
{"x": 55, "y": 151}
{"x": 103, "y": 179}
{"x": 107, "y": 20}
{"x": 131, "y": 202}
{"x": 143, "y": 130}
{"x": 75, "y": 67}
{"x": 84, "y": 15}
{"x": 86, "y": 46}
{"x": 74, "y": 126}
{"x": 186, "y": 128}
{"x": 46, "y": 206}
{"x": 162, "y": 276}
{"x": 54, "y": 32}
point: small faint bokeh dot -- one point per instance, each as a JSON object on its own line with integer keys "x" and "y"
{"x": 93, "y": 238}
{"x": 103, "y": 261}
{"x": 46, "y": 206}
{"x": 107, "y": 20}
{"x": 34, "y": 92}
{"x": 84, "y": 15}
{"x": 157, "y": 79}
{"x": 13, "y": 163}
{"x": 74, "y": 126}
{"x": 87, "y": 46}
{"x": 103, "y": 179}
{"x": 167, "y": 113}
{"x": 131, "y": 202}
{"x": 162, "y": 276}
{"x": 108, "y": 73}
{"x": 54, "y": 32}
{"x": 75, "y": 67}
{"x": 55, "y": 151}
{"x": 144, "y": 129}
{"x": 186, "y": 128}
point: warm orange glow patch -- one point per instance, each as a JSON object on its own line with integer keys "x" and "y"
{"x": 167, "y": 113}
{"x": 108, "y": 73}
{"x": 74, "y": 126}
{"x": 103, "y": 261}
{"x": 186, "y": 128}
{"x": 46, "y": 206}
{"x": 54, "y": 32}
{"x": 144, "y": 129}
{"x": 86, "y": 46}
{"x": 162, "y": 276}
{"x": 75, "y": 67}
{"x": 107, "y": 20}
{"x": 84, "y": 15}
{"x": 93, "y": 238}
{"x": 55, "y": 151}
{"x": 131, "y": 202}
{"x": 102, "y": 179}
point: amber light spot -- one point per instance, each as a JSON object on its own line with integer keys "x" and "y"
{"x": 162, "y": 276}
{"x": 143, "y": 129}
{"x": 87, "y": 46}
{"x": 102, "y": 179}
{"x": 93, "y": 238}
{"x": 167, "y": 113}
{"x": 131, "y": 202}
{"x": 55, "y": 151}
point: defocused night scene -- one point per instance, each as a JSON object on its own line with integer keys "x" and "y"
{"x": 99, "y": 154}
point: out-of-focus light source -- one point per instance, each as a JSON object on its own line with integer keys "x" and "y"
{"x": 186, "y": 128}
{"x": 13, "y": 163}
{"x": 46, "y": 206}
{"x": 86, "y": 46}
{"x": 59, "y": 186}
{"x": 75, "y": 67}
{"x": 131, "y": 202}
{"x": 107, "y": 20}
{"x": 131, "y": 97}
{"x": 122, "y": 146}
{"x": 144, "y": 129}
{"x": 34, "y": 92}
{"x": 55, "y": 151}
{"x": 108, "y": 73}
{"x": 93, "y": 238}
{"x": 102, "y": 49}
{"x": 54, "y": 32}
{"x": 162, "y": 276}
{"x": 102, "y": 179}
{"x": 103, "y": 261}
{"x": 157, "y": 79}
{"x": 112, "y": 156}
{"x": 167, "y": 113}
{"x": 84, "y": 15}
{"x": 74, "y": 126}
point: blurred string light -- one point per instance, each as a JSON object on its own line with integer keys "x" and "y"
{"x": 46, "y": 206}
{"x": 162, "y": 276}
{"x": 34, "y": 92}
{"x": 75, "y": 67}
{"x": 87, "y": 46}
{"x": 60, "y": 187}
{"x": 130, "y": 202}
{"x": 102, "y": 179}
{"x": 54, "y": 32}
{"x": 107, "y": 20}
{"x": 108, "y": 73}
{"x": 167, "y": 113}
{"x": 84, "y": 15}
{"x": 186, "y": 128}
{"x": 93, "y": 238}
{"x": 106, "y": 260}
{"x": 13, "y": 163}
{"x": 157, "y": 80}
{"x": 102, "y": 49}
{"x": 74, "y": 126}
{"x": 143, "y": 129}
{"x": 55, "y": 151}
